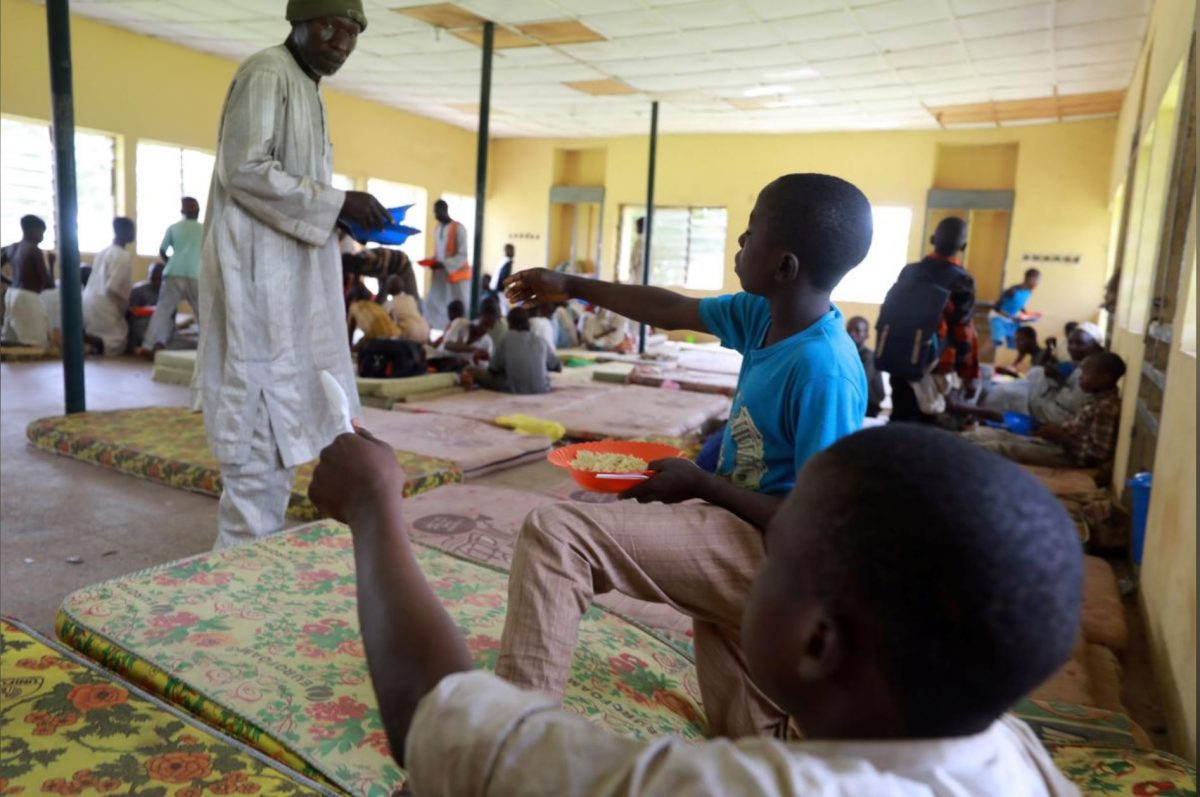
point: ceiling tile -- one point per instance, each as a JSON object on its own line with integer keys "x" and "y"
{"x": 1013, "y": 20}
{"x": 870, "y": 64}
{"x": 737, "y": 37}
{"x": 1099, "y": 54}
{"x": 637, "y": 22}
{"x": 1023, "y": 92}
{"x": 964, "y": 7}
{"x": 835, "y": 49}
{"x": 1009, "y": 46}
{"x": 664, "y": 44}
{"x": 711, "y": 13}
{"x": 1023, "y": 63}
{"x": 514, "y": 12}
{"x": 773, "y": 59}
{"x": 1076, "y": 12}
{"x": 953, "y": 53}
{"x": 932, "y": 36}
{"x": 901, "y": 14}
{"x": 1090, "y": 86}
{"x": 588, "y": 6}
{"x": 817, "y": 26}
{"x": 779, "y": 9}
{"x": 1107, "y": 32}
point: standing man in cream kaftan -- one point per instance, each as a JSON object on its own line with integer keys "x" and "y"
{"x": 271, "y": 303}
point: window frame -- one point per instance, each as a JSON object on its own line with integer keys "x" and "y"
{"x": 627, "y": 215}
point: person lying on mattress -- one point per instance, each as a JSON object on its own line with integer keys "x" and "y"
{"x": 892, "y": 633}
{"x": 801, "y": 388}
{"x": 1087, "y": 440}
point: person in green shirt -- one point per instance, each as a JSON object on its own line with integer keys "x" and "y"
{"x": 180, "y": 250}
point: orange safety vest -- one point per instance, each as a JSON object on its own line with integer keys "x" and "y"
{"x": 461, "y": 274}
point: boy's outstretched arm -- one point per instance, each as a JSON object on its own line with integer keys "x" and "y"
{"x": 654, "y": 306}
{"x": 411, "y": 642}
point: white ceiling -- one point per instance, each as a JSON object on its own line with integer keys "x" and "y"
{"x": 840, "y": 64}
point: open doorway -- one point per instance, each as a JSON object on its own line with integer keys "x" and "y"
{"x": 576, "y": 224}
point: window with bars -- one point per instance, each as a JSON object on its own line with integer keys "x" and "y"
{"x": 27, "y": 174}
{"x": 166, "y": 174}
{"x": 687, "y": 246}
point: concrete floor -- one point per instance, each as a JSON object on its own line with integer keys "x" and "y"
{"x": 53, "y": 508}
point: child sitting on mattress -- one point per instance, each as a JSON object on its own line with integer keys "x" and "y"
{"x": 800, "y": 389}
{"x": 893, "y": 635}
{"x": 1029, "y": 354}
{"x": 1087, "y": 440}
{"x": 521, "y": 364}
{"x": 471, "y": 341}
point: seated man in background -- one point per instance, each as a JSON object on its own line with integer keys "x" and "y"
{"x": 893, "y": 634}
{"x": 404, "y": 311}
{"x": 143, "y": 304}
{"x": 106, "y": 296}
{"x": 490, "y": 305}
{"x": 566, "y": 326}
{"x": 542, "y": 325}
{"x": 604, "y": 330}
{"x": 26, "y": 320}
{"x": 521, "y": 364}
{"x": 1087, "y": 440}
{"x": 860, "y": 330}
{"x": 469, "y": 341}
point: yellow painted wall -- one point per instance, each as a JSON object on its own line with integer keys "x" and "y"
{"x": 138, "y": 87}
{"x": 1168, "y": 574}
{"x": 1062, "y": 176}
{"x": 985, "y": 167}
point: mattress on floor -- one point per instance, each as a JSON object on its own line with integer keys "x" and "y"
{"x": 171, "y": 376}
{"x": 710, "y": 360}
{"x": 626, "y": 411}
{"x": 475, "y": 448}
{"x": 1118, "y": 771}
{"x": 27, "y": 354}
{"x": 684, "y": 379}
{"x": 181, "y": 359}
{"x": 69, "y": 727}
{"x": 168, "y": 445}
{"x": 482, "y": 524}
{"x": 262, "y": 640}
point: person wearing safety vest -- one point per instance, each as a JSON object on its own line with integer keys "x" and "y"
{"x": 451, "y": 272}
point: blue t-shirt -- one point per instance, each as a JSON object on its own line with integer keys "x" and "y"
{"x": 1013, "y": 300}
{"x": 794, "y": 398}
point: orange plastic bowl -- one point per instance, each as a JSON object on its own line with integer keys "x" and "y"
{"x": 563, "y": 457}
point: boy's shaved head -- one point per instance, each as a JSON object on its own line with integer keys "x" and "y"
{"x": 945, "y": 582}
{"x": 823, "y": 220}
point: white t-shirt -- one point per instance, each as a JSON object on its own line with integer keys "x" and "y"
{"x": 460, "y": 332}
{"x": 476, "y": 734}
{"x": 544, "y": 329}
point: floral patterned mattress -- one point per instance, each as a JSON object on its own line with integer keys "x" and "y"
{"x": 27, "y": 354}
{"x": 67, "y": 727}
{"x": 167, "y": 445}
{"x": 592, "y": 412}
{"x": 262, "y": 640}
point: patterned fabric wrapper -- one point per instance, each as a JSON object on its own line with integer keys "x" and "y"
{"x": 262, "y": 640}
{"x": 1123, "y": 772}
{"x": 168, "y": 445}
{"x": 69, "y": 728}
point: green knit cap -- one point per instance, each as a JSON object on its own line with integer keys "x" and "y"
{"x": 304, "y": 10}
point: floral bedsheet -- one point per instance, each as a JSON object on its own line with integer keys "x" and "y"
{"x": 27, "y": 354}
{"x": 262, "y": 640}
{"x": 168, "y": 445}
{"x": 68, "y": 728}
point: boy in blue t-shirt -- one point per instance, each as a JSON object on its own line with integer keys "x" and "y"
{"x": 801, "y": 388}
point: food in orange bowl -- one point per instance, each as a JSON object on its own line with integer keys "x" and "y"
{"x": 610, "y": 466}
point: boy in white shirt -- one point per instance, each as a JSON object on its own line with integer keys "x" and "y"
{"x": 106, "y": 295}
{"x": 894, "y": 634}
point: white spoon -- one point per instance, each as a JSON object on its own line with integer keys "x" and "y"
{"x": 338, "y": 402}
{"x": 624, "y": 477}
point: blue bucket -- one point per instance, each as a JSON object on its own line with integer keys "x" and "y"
{"x": 1019, "y": 423}
{"x": 1139, "y": 486}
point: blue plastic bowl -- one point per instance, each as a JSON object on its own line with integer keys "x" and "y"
{"x": 1066, "y": 369}
{"x": 1019, "y": 423}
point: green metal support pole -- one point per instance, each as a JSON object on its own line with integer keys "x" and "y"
{"x": 481, "y": 162}
{"x": 58, "y": 24}
{"x": 649, "y": 228}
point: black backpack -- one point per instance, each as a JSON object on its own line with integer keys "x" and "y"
{"x": 388, "y": 358}
{"x": 906, "y": 340}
